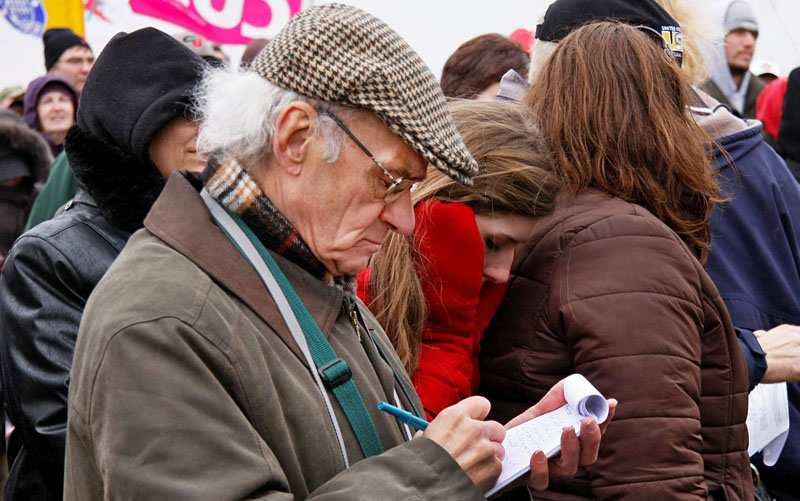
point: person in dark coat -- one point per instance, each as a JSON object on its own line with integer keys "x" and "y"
{"x": 732, "y": 83}
{"x": 24, "y": 160}
{"x": 133, "y": 129}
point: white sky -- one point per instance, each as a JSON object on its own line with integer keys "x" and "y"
{"x": 435, "y": 28}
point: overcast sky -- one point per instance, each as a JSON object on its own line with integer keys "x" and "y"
{"x": 435, "y": 28}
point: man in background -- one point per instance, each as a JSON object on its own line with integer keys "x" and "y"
{"x": 732, "y": 83}
{"x": 68, "y": 55}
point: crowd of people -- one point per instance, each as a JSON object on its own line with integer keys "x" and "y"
{"x": 211, "y": 275}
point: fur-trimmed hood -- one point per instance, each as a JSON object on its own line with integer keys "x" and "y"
{"x": 16, "y": 136}
{"x": 123, "y": 187}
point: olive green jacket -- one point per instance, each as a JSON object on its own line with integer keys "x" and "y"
{"x": 186, "y": 383}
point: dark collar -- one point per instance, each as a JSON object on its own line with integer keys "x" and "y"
{"x": 180, "y": 218}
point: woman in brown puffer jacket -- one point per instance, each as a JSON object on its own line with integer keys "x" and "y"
{"x": 612, "y": 285}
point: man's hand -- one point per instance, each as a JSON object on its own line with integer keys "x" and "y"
{"x": 575, "y": 451}
{"x": 475, "y": 444}
{"x": 782, "y": 346}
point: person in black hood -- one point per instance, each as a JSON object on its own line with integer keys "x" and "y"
{"x": 24, "y": 161}
{"x": 133, "y": 129}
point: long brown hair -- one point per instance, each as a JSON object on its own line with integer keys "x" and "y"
{"x": 614, "y": 110}
{"x": 515, "y": 177}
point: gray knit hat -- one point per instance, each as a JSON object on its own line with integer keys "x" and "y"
{"x": 341, "y": 54}
{"x": 739, "y": 14}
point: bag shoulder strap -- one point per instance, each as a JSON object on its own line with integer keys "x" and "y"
{"x": 331, "y": 370}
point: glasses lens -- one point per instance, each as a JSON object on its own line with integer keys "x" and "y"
{"x": 397, "y": 189}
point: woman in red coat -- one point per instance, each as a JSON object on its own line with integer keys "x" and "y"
{"x": 435, "y": 293}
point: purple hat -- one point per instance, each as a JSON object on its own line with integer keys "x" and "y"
{"x": 38, "y": 87}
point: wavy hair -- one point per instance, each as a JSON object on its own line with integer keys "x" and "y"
{"x": 614, "y": 111}
{"x": 237, "y": 110}
{"x": 515, "y": 177}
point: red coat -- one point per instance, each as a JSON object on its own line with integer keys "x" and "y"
{"x": 449, "y": 262}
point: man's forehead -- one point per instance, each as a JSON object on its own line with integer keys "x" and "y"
{"x": 76, "y": 50}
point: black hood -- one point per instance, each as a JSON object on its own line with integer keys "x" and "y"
{"x": 139, "y": 83}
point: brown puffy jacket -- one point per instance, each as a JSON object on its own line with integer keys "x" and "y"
{"x": 605, "y": 289}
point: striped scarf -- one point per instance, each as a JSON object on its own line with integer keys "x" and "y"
{"x": 230, "y": 185}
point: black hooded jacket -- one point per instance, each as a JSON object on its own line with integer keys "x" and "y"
{"x": 51, "y": 270}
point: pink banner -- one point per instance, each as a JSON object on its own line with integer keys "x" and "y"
{"x": 223, "y": 21}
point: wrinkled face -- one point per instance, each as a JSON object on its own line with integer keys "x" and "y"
{"x": 74, "y": 65}
{"x": 175, "y": 147}
{"x": 739, "y": 47}
{"x": 55, "y": 112}
{"x": 501, "y": 235}
{"x": 343, "y": 217}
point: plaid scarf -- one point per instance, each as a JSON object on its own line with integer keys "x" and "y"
{"x": 230, "y": 185}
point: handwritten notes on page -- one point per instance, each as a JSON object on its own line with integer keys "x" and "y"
{"x": 544, "y": 432}
{"x": 768, "y": 421}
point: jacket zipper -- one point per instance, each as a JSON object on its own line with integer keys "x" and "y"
{"x": 350, "y": 304}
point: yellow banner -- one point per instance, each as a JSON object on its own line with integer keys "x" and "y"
{"x": 65, "y": 14}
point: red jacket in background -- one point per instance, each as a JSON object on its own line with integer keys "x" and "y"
{"x": 449, "y": 263}
{"x": 769, "y": 106}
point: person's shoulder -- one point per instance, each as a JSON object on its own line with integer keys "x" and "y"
{"x": 594, "y": 215}
{"x": 151, "y": 279}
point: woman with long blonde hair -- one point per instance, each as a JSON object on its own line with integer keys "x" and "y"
{"x": 435, "y": 292}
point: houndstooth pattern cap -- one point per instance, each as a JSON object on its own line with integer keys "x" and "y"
{"x": 341, "y": 54}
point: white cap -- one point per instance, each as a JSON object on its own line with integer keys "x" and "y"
{"x": 766, "y": 67}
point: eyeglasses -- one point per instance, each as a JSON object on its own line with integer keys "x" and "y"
{"x": 395, "y": 186}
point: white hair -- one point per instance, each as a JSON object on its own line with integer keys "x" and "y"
{"x": 237, "y": 110}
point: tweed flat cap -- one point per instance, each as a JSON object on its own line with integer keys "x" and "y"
{"x": 341, "y": 54}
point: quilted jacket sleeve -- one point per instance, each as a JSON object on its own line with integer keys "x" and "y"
{"x": 449, "y": 264}
{"x": 627, "y": 298}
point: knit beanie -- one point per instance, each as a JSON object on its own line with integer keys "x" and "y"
{"x": 740, "y": 15}
{"x": 56, "y": 41}
{"x": 140, "y": 82}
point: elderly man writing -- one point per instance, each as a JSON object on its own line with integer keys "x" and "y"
{"x": 224, "y": 355}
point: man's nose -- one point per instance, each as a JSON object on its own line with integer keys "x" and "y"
{"x": 399, "y": 214}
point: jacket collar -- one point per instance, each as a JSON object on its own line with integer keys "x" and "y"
{"x": 180, "y": 218}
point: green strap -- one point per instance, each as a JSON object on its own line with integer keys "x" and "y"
{"x": 333, "y": 370}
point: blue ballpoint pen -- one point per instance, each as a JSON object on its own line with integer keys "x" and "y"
{"x": 403, "y": 416}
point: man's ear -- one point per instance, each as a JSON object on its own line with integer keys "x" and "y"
{"x": 291, "y": 141}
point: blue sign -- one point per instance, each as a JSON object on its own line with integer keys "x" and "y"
{"x": 27, "y": 16}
